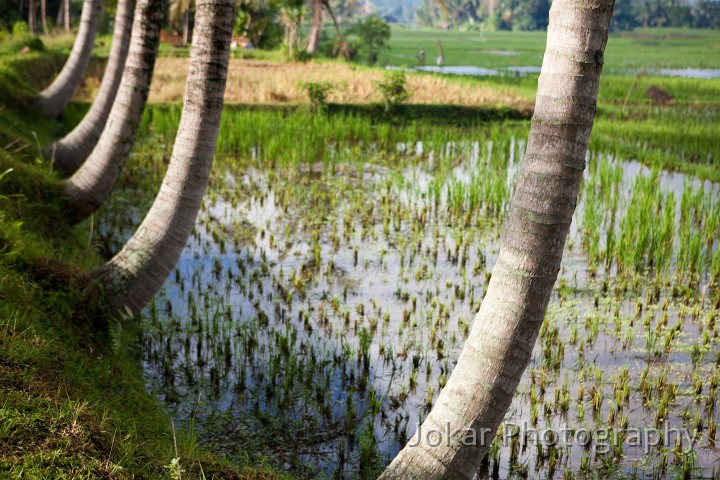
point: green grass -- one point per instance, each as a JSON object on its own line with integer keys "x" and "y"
{"x": 73, "y": 402}
{"x": 639, "y": 49}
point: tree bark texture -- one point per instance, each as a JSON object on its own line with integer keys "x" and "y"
{"x": 92, "y": 183}
{"x": 72, "y": 150}
{"x": 137, "y": 272}
{"x": 316, "y": 29}
{"x": 54, "y": 98}
{"x": 500, "y": 345}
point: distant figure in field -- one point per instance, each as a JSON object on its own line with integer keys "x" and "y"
{"x": 421, "y": 57}
{"x": 441, "y": 57}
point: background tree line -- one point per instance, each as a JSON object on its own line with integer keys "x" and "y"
{"x": 533, "y": 14}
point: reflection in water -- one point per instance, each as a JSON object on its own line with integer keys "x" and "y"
{"x": 318, "y": 310}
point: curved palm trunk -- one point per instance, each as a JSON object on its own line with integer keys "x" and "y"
{"x": 499, "y": 348}
{"x": 54, "y": 98}
{"x": 93, "y": 182}
{"x": 71, "y": 151}
{"x": 314, "y": 36}
{"x": 138, "y": 271}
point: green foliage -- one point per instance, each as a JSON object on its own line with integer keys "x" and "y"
{"x": 374, "y": 34}
{"x": 20, "y": 28}
{"x": 258, "y": 21}
{"x": 393, "y": 90}
{"x": 317, "y": 94}
{"x": 77, "y": 407}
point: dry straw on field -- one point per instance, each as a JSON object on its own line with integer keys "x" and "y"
{"x": 265, "y": 82}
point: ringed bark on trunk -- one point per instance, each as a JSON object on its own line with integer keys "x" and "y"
{"x": 54, "y": 98}
{"x": 71, "y": 151}
{"x": 91, "y": 185}
{"x": 136, "y": 273}
{"x": 499, "y": 348}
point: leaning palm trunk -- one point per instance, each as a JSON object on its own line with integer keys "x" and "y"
{"x": 54, "y": 98}
{"x": 93, "y": 182}
{"x": 71, "y": 151}
{"x": 136, "y": 273}
{"x": 314, "y": 36}
{"x": 474, "y": 402}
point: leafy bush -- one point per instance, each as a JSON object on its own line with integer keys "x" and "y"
{"x": 317, "y": 94}
{"x": 374, "y": 33}
{"x": 20, "y": 28}
{"x": 393, "y": 90}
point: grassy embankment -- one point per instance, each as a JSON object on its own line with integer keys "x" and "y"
{"x": 72, "y": 401}
{"x": 89, "y": 413}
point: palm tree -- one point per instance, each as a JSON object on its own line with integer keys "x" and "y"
{"x": 180, "y": 13}
{"x": 43, "y": 16}
{"x": 131, "y": 278}
{"x": 316, "y": 29}
{"x": 92, "y": 183}
{"x": 31, "y": 17}
{"x": 66, "y": 15}
{"x": 54, "y": 98}
{"x": 70, "y": 152}
{"x": 499, "y": 348}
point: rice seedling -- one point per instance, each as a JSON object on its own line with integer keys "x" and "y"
{"x": 338, "y": 263}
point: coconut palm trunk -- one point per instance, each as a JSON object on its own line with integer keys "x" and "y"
{"x": 474, "y": 402}
{"x": 137, "y": 272}
{"x": 93, "y": 182}
{"x": 54, "y": 98}
{"x": 66, "y": 14}
{"x": 31, "y": 17}
{"x": 71, "y": 151}
{"x": 314, "y": 36}
{"x": 43, "y": 16}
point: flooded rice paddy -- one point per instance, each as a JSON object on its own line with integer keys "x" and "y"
{"x": 320, "y": 307}
{"x": 701, "y": 73}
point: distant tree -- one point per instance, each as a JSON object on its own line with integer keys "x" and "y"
{"x": 707, "y": 14}
{"x": 291, "y": 15}
{"x": 624, "y": 16}
{"x": 180, "y": 12}
{"x": 316, "y": 9}
{"x": 538, "y": 12}
{"x": 258, "y": 21}
{"x": 374, "y": 33}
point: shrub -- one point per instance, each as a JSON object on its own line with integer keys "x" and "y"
{"x": 393, "y": 90}
{"x": 317, "y": 94}
{"x": 20, "y": 28}
{"x": 374, "y": 33}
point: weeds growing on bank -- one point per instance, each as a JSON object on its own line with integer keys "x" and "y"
{"x": 73, "y": 402}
